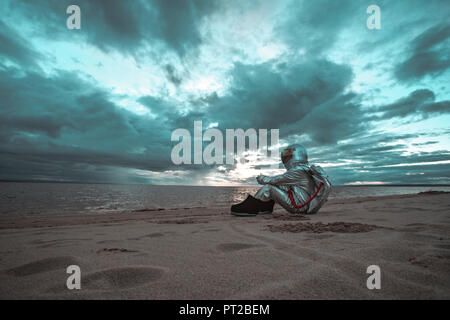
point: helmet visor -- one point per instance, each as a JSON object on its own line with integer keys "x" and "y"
{"x": 286, "y": 155}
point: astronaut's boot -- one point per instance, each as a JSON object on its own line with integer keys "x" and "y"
{"x": 252, "y": 206}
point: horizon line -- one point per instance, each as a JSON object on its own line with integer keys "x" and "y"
{"x": 387, "y": 184}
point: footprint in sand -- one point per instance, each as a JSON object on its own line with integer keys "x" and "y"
{"x": 212, "y": 230}
{"x": 320, "y": 236}
{"x": 57, "y": 242}
{"x": 115, "y": 250}
{"x": 150, "y": 235}
{"x": 43, "y": 265}
{"x": 227, "y": 247}
{"x": 115, "y": 279}
{"x": 442, "y": 246}
{"x": 121, "y": 278}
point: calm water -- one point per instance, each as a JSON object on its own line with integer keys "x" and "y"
{"x": 18, "y": 199}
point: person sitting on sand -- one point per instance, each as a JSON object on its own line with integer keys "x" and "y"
{"x": 301, "y": 189}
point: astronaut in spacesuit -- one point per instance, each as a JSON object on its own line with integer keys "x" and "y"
{"x": 301, "y": 189}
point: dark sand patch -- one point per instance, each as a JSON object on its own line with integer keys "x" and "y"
{"x": 227, "y": 247}
{"x": 127, "y": 277}
{"x": 319, "y": 227}
{"x": 114, "y": 279}
{"x": 115, "y": 250}
{"x": 58, "y": 243}
{"x": 429, "y": 260}
{"x": 212, "y": 230}
{"x": 319, "y": 236}
{"x": 431, "y": 192}
{"x": 150, "y": 235}
{"x": 43, "y": 265}
{"x": 181, "y": 221}
{"x": 107, "y": 241}
{"x": 154, "y": 235}
{"x": 149, "y": 209}
{"x": 287, "y": 217}
{"x": 443, "y": 246}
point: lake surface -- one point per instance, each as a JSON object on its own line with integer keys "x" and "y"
{"x": 19, "y": 199}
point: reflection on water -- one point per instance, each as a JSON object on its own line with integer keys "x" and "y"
{"x": 25, "y": 199}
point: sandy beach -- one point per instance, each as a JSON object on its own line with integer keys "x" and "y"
{"x": 205, "y": 253}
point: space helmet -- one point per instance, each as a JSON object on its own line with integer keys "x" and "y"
{"x": 294, "y": 155}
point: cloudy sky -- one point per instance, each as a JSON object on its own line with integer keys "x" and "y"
{"x": 99, "y": 104}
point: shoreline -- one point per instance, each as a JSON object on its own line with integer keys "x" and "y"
{"x": 153, "y": 214}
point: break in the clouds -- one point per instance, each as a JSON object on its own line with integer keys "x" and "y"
{"x": 99, "y": 104}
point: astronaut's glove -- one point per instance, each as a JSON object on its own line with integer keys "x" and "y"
{"x": 260, "y": 179}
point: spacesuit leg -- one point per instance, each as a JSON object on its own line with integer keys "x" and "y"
{"x": 270, "y": 192}
{"x": 321, "y": 197}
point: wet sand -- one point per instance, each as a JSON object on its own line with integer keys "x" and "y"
{"x": 205, "y": 253}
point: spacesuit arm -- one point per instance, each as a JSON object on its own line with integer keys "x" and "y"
{"x": 285, "y": 178}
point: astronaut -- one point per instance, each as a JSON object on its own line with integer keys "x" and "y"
{"x": 302, "y": 189}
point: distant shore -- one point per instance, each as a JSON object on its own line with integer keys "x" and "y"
{"x": 205, "y": 253}
{"x": 231, "y": 186}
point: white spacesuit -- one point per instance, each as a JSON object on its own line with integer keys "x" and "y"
{"x": 301, "y": 189}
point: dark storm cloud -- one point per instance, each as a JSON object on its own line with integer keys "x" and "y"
{"x": 108, "y": 25}
{"x": 315, "y": 25}
{"x": 420, "y": 102}
{"x": 438, "y": 107}
{"x": 13, "y": 48}
{"x": 392, "y": 175}
{"x": 279, "y": 96}
{"x": 424, "y": 156}
{"x": 371, "y": 157}
{"x": 377, "y": 160}
{"x": 34, "y": 103}
{"x": 430, "y": 54}
{"x": 172, "y": 75}
{"x": 389, "y": 164}
{"x": 155, "y": 105}
{"x": 425, "y": 143}
{"x": 298, "y": 99}
{"x": 337, "y": 119}
{"x": 123, "y": 25}
{"x": 380, "y": 149}
{"x": 169, "y": 114}
{"x": 374, "y": 152}
{"x": 50, "y": 125}
{"x": 365, "y": 148}
{"x": 178, "y": 21}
